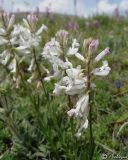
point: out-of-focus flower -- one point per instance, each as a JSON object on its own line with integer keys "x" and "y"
{"x": 32, "y": 18}
{"x": 126, "y": 12}
{"x": 72, "y": 26}
{"x": 62, "y": 37}
{"x": 11, "y": 21}
{"x": 95, "y": 23}
{"x": 48, "y": 10}
{"x": 17, "y": 10}
{"x": 116, "y": 14}
{"x": 37, "y": 11}
{"x": 102, "y": 71}
{"x": 118, "y": 84}
{"x": 87, "y": 24}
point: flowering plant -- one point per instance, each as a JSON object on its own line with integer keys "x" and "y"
{"x": 71, "y": 72}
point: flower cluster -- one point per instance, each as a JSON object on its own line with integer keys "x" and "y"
{"x": 21, "y": 43}
{"x": 73, "y": 79}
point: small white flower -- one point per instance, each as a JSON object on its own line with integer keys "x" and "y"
{"x": 62, "y": 36}
{"x": 2, "y": 31}
{"x": 102, "y": 71}
{"x": 34, "y": 76}
{"x": 41, "y": 29}
{"x": 81, "y": 107}
{"x": 102, "y": 54}
{"x": 13, "y": 66}
{"x": 5, "y": 57}
{"x": 3, "y": 41}
{"x": 11, "y": 21}
{"x": 83, "y": 126}
{"x": 32, "y": 64}
{"x": 58, "y": 88}
{"x": 74, "y": 50}
{"x": 26, "y": 23}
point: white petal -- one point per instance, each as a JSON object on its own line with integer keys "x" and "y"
{"x": 26, "y": 23}
{"x": 102, "y": 71}
{"x": 43, "y": 27}
{"x": 102, "y": 54}
{"x": 31, "y": 65}
{"x": 21, "y": 48}
{"x": 79, "y": 56}
{"x": 58, "y": 89}
{"x": 99, "y": 72}
{"x": 11, "y": 21}
{"x": 2, "y": 31}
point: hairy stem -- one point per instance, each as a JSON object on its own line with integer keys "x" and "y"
{"x": 90, "y": 109}
{"x": 39, "y": 72}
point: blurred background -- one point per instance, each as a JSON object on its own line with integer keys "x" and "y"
{"x": 82, "y": 8}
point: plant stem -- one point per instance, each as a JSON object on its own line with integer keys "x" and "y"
{"x": 63, "y": 58}
{"x": 39, "y": 72}
{"x": 91, "y": 141}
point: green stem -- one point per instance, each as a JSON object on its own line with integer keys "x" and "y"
{"x": 91, "y": 141}
{"x": 39, "y": 72}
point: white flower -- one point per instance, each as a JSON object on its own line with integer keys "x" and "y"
{"x": 18, "y": 79}
{"x": 32, "y": 64}
{"x": 5, "y": 57}
{"x": 75, "y": 73}
{"x": 83, "y": 126}
{"x": 2, "y": 31}
{"x": 74, "y": 50}
{"x": 102, "y": 54}
{"x": 33, "y": 77}
{"x": 56, "y": 73}
{"x": 52, "y": 48}
{"x": 102, "y": 71}
{"x": 62, "y": 36}
{"x": 58, "y": 88}
{"x": 41, "y": 29}
{"x": 75, "y": 88}
{"x": 3, "y": 41}
{"x": 74, "y": 82}
{"x": 13, "y": 66}
{"x": 11, "y": 21}
{"x": 81, "y": 108}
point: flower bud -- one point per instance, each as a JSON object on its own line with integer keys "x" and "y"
{"x": 93, "y": 46}
{"x": 87, "y": 43}
{"x": 62, "y": 36}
